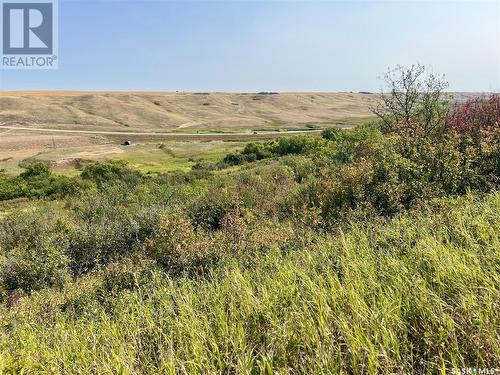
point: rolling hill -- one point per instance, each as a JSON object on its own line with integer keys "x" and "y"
{"x": 181, "y": 112}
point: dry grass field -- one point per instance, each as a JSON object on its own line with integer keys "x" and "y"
{"x": 180, "y": 112}
{"x": 64, "y": 126}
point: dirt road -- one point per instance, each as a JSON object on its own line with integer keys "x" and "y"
{"x": 159, "y": 134}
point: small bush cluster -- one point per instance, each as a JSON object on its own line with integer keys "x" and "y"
{"x": 33, "y": 251}
{"x": 111, "y": 171}
{"x": 295, "y": 145}
{"x": 37, "y": 181}
{"x": 177, "y": 246}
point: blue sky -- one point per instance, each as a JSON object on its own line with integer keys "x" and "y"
{"x": 267, "y": 46}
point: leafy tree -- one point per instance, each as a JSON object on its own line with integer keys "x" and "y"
{"x": 415, "y": 103}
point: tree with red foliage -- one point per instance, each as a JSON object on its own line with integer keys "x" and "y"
{"x": 478, "y": 117}
{"x": 453, "y": 149}
{"x": 476, "y": 123}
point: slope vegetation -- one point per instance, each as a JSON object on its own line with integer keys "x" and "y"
{"x": 126, "y": 111}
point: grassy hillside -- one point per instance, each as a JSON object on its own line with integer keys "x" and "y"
{"x": 182, "y": 112}
{"x": 192, "y": 117}
{"x": 416, "y": 294}
{"x": 370, "y": 250}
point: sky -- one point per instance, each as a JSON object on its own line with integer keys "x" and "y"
{"x": 251, "y": 46}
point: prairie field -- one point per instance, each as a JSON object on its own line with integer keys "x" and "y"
{"x": 68, "y": 128}
{"x": 367, "y": 249}
{"x": 249, "y": 187}
{"x": 416, "y": 294}
{"x": 180, "y": 112}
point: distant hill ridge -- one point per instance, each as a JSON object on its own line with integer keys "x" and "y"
{"x": 182, "y": 112}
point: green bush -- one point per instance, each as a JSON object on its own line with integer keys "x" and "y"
{"x": 348, "y": 145}
{"x": 208, "y": 212}
{"x": 257, "y": 151}
{"x": 35, "y": 169}
{"x": 178, "y": 247}
{"x": 303, "y": 167}
{"x": 107, "y": 229}
{"x": 299, "y": 144}
{"x": 263, "y": 191}
{"x": 36, "y": 265}
{"x": 331, "y": 134}
{"x": 234, "y": 159}
{"x": 34, "y": 245}
{"x": 37, "y": 181}
{"x": 111, "y": 171}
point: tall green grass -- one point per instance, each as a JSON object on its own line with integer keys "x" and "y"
{"x": 416, "y": 294}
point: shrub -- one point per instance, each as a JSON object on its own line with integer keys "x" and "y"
{"x": 37, "y": 181}
{"x": 234, "y": 159}
{"x": 257, "y": 151}
{"x": 208, "y": 212}
{"x": 263, "y": 191}
{"x": 303, "y": 167}
{"x": 107, "y": 230}
{"x": 475, "y": 126}
{"x": 11, "y": 188}
{"x": 350, "y": 144}
{"x": 35, "y": 169}
{"x": 336, "y": 194}
{"x": 36, "y": 265}
{"x": 178, "y": 247}
{"x": 478, "y": 117}
{"x": 204, "y": 167}
{"x": 331, "y": 134}
{"x": 295, "y": 145}
{"x": 378, "y": 181}
{"x": 30, "y": 225}
{"x": 395, "y": 182}
{"x": 299, "y": 144}
{"x": 111, "y": 171}
{"x": 34, "y": 244}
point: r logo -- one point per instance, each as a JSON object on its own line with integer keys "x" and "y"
{"x": 27, "y": 28}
